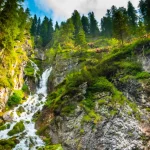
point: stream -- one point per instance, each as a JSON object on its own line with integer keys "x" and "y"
{"x": 28, "y": 138}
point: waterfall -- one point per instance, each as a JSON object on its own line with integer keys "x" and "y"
{"x": 33, "y": 104}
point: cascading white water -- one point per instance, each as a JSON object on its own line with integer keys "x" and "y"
{"x": 28, "y": 138}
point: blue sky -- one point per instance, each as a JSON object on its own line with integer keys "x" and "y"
{"x": 60, "y": 10}
{"x": 34, "y": 9}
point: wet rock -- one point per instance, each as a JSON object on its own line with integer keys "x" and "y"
{"x": 7, "y": 116}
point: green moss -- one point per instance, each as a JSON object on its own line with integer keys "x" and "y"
{"x": 68, "y": 109}
{"x": 8, "y": 144}
{"x": 102, "y": 102}
{"x": 18, "y": 127}
{"x": 29, "y": 70}
{"x": 52, "y": 147}
{"x": 143, "y": 75}
{"x": 15, "y": 98}
{"x": 25, "y": 88}
{"x": 42, "y": 130}
{"x": 87, "y": 118}
{"x": 102, "y": 85}
{"x": 82, "y": 131}
{"x": 3, "y": 127}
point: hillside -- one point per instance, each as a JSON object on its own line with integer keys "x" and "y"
{"x": 75, "y": 86}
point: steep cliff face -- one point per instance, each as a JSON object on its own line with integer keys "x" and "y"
{"x": 12, "y": 68}
{"x": 62, "y": 65}
{"x": 109, "y": 112}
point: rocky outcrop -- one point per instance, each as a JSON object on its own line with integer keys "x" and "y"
{"x": 107, "y": 127}
{"x": 121, "y": 131}
{"x": 62, "y": 65}
{"x": 15, "y": 71}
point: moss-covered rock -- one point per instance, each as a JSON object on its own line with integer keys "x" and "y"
{"x": 8, "y": 144}
{"x": 52, "y": 147}
{"x": 18, "y": 127}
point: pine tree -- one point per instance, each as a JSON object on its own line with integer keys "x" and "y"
{"x": 34, "y": 26}
{"x": 144, "y": 6}
{"x": 76, "y": 21}
{"x": 50, "y": 31}
{"x": 132, "y": 16}
{"x": 56, "y": 26}
{"x": 66, "y": 35}
{"x": 85, "y": 24}
{"x": 120, "y": 24}
{"x": 80, "y": 39}
{"x": 94, "y": 30}
{"x": 38, "y": 26}
{"x": 9, "y": 23}
{"x": 24, "y": 22}
{"x": 44, "y": 31}
{"x": 106, "y": 25}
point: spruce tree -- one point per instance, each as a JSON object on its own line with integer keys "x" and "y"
{"x": 94, "y": 30}
{"x": 9, "y": 23}
{"x": 38, "y": 26}
{"x": 144, "y": 6}
{"x": 76, "y": 19}
{"x": 132, "y": 16}
{"x": 85, "y": 24}
{"x": 120, "y": 25}
{"x": 34, "y": 26}
{"x": 50, "y": 31}
{"x": 44, "y": 31}
{"x": 56, "y": 26}
{"x": 106, "y": 25}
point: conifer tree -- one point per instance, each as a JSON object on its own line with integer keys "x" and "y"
{"x": 34, "y": 26}
{"x": 44, "y": 31}
{"x": 144, "y": 6}
{"x": 50, "y": 31}
{"x": 85, "y": 24}
{"x": 106, "y": 25}
{"x": 9, "y": 23}
{"x": 94, "y": 30}
{"x": 132, "y": 16}
{"x": 56, "y": 26}
{"x": 120, "y": 24}
{"x": 38, "y": 26}
{"x": 76, "y": 19}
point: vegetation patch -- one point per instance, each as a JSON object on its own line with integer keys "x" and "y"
{"x": 15, "y": 98}
{"x": 18, "y": 127}
{"x": 8, "y": 144}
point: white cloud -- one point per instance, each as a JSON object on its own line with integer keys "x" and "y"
{"x": 63, "y": 9}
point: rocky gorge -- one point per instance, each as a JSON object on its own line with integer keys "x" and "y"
{"x": 117, "y": 119}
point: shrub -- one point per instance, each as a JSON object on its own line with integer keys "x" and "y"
{"x": 143, "y": 75}
{"x": 15, "y": 98}
{"x": 18, "y": 127}
{"x": 101, "y": 85}
{"x": 25, "y": 88}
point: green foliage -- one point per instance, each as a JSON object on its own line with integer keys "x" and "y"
{"x": 18, "y": 127}
{"x": 120, "y": 25}
{"x": 25, "y": 88}
{"x": 52, "y": 147}
{"x": 94, "y": 30}
{"x": 12, "y": 23}
{"x": 67, "y": 110}
{"x": 15, "y": 98}
{"x": 8, "y": 144}
{"x": 85, "y": 24}
{"x": 101, "y": 85}
{"x": 143, "y": 75}
{"x": 42, "y": 130}
{"x": 29, "y": 70}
